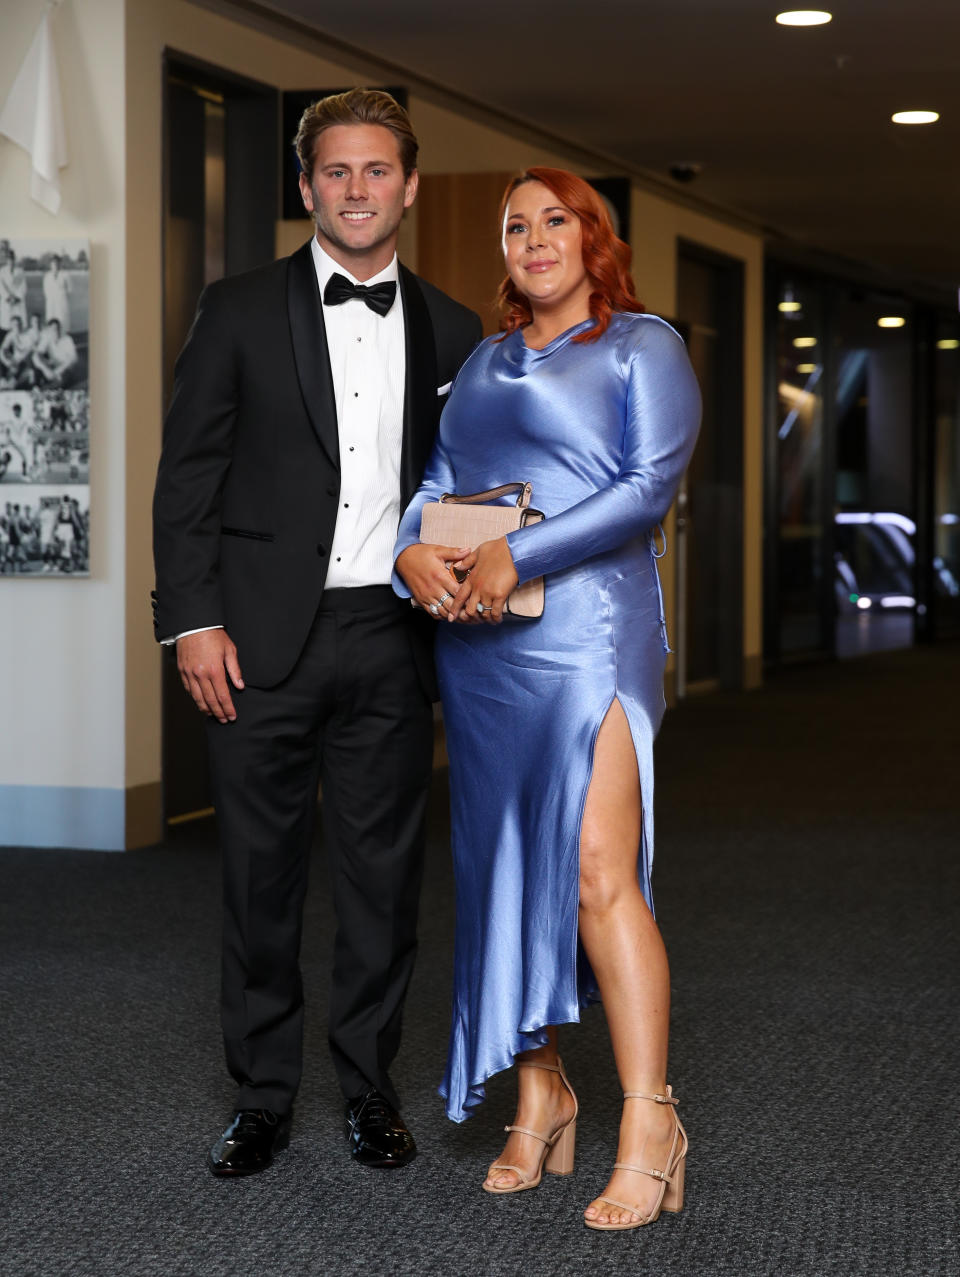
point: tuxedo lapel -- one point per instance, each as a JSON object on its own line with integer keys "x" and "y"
{"x": 310, "y": 352}
{"x": 420, "y": 392}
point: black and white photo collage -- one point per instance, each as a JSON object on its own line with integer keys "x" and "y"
{"x": 44, "y": 407}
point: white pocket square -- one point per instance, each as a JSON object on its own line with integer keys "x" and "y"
{"x": 444, "y": 390}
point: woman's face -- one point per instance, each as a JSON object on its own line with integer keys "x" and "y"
{"x": 543, "y": 249}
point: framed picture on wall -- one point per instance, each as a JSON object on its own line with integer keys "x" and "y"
{"x": 295, "y": 102}
{"x": 44, "y": 407}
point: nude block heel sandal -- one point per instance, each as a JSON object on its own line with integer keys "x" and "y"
{"x": 671, "y": 1179}
{"x": 558, "y": 1148}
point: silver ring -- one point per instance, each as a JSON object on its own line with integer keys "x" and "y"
{"x": 481, "y": 608}
{"x": 443, "y": 598}
{"x": 434, "y": 609}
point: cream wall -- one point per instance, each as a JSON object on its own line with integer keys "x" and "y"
{"x": 62, "y": 766}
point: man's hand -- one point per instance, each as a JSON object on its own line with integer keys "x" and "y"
{"x": 424, "y": 569}
{"x": 205, "y": 660}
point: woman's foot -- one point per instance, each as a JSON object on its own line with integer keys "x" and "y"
{"x": 649, "y": 1136}
{"x": 545, "y": 1103}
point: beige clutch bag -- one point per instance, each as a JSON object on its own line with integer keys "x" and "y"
{"x": 469, "y": 520}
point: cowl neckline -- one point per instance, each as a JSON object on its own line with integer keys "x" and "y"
{"x": 520, "y": 355}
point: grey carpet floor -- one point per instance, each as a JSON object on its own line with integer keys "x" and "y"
{"x": 807, "y": 885}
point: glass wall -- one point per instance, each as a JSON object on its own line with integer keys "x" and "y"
{"x": 863, "y": 406}
{"x": 946, "y": 477}
{"x": 798, "y": 506}
{"x": 874, "y": 488}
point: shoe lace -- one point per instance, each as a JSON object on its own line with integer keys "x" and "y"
{"x": 248, "y": 1120}
{"x": 375, "y": 1110}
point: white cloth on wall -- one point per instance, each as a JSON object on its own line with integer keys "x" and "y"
{"x": 32, "y": 116}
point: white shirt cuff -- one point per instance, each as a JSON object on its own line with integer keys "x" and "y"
{"x": 168, "y": 642}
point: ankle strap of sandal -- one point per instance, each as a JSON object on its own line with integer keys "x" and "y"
{"x": 669, "y": 1098}
{"x": 535, "y": 1064}
{"x": 525, "y": 1130}
{"x": 641, "y": 1170}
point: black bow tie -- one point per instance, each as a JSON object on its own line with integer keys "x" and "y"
{"x": 379, "y": 297}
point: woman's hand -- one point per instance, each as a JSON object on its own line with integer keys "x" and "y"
{"x": 430, "y": 581}
{"x": 491, "y": 577}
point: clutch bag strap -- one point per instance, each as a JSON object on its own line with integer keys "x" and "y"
{"x": 478, "y": 498}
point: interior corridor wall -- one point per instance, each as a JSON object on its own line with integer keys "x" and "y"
{"x": 656, "y": 227}
{"x": 62, "y": 702}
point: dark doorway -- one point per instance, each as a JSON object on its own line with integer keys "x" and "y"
{"x": 220, "y": 207}
{"x": 709, "y": 633}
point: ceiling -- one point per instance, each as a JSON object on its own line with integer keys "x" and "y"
{"x": 791, "y": 126}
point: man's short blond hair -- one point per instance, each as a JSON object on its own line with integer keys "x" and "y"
{"x": 356, "y": 106}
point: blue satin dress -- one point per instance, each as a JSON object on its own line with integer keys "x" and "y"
{"x": 603, "y": 431}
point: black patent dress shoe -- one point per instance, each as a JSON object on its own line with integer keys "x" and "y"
{"x": 249, "y": 1143}
{"x": 376, "y": 1132}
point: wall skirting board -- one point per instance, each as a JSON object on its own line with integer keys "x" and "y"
{"x": 85, "y": 819}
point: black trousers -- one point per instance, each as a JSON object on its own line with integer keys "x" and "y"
{"x": 353, "y": 715}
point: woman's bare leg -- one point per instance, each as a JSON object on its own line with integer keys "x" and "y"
{"x": 628, "y": 958}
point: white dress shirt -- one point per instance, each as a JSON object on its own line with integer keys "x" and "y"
{"x": 368, "y": 362}
{"x": 369, "y": 366}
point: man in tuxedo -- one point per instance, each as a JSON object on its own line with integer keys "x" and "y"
{"x": 305, "y": 404}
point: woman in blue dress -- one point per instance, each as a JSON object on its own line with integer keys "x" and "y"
{"x": 550, "y": 722}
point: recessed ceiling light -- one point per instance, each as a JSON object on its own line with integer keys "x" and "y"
{"x": 807, "y": 368}
{"x": 788, "y": 308}
{"x": 948, "y": 343}
{"x": 891, "y": 321}
{"x": 802, "y": 343}
{"x": 804, "y": 17}
{"x": 915, "y": 117}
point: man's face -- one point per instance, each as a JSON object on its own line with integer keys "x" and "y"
{"x": 357, "y": 195}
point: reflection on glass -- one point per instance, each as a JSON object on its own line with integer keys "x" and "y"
{"x": 874, "y": 534}
{"x": 946, "y": 496}
{"x": 800, "y": 469}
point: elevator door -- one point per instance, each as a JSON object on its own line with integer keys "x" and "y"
{"x": 709, "y": 639}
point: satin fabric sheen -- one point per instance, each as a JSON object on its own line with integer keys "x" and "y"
{"x": 603, "y": 431}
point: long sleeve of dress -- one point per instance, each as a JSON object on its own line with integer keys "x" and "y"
{"x": 438, "y": 479}
{"x": 662, "y": 420}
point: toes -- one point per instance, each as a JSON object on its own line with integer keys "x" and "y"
{"x": 503, "y": 1179}
{"x": 596, "y": 1212}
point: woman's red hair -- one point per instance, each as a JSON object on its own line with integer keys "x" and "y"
{"x": 605, "y": 257}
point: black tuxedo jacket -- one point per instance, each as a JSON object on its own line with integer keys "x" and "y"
{"x": 249, "y": 479}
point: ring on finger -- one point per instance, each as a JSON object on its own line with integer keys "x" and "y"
{"x": 443, "y": 598}
{"x": 434, "y": 608}
{"x": 481, "y": 608}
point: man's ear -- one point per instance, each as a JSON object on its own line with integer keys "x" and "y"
{"x": 410, "y": 189}
{"x": 306, "y": 194}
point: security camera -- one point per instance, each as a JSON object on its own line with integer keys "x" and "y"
{"x": 685, "y": 170}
